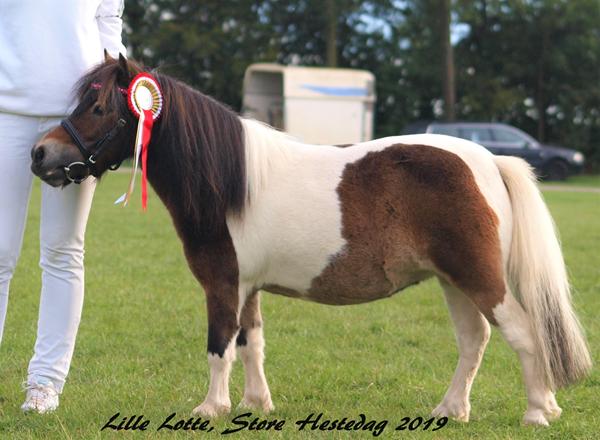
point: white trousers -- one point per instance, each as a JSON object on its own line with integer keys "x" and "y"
{"x": 63, "y": 217}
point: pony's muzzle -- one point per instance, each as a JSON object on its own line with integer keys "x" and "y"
{"x": 49, "y": 165}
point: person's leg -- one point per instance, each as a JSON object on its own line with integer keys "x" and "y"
{"x": 17, "y": 136}
{"x": 62, "y": 228}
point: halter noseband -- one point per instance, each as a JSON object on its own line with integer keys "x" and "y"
{"x": 78, "y": 171}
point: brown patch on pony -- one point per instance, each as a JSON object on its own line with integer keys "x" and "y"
{"x": 407, "y": 212}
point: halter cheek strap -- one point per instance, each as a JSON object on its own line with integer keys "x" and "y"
{"x": 78, "y": 171}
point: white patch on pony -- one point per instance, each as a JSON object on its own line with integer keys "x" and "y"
{"x": 256, "y": 390}
{"x": 292, "y": 225}
{"x": 484, "y": 169}
{"x": 217, "y": 400}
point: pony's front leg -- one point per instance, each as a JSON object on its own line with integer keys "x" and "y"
{"x": 222, "y": 304}
{"x": 251, "y": 344}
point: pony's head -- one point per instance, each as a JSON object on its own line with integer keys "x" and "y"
{"x": 98, "y": 135}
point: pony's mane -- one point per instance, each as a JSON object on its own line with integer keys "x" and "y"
{"x": 197, "y": 152}
{"x": 204, "y": 143}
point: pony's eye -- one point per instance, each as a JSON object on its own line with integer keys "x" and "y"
{"x": 97, "y": 110}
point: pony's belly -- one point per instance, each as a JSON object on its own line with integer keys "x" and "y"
{"x": 349, "y": 290}
{"x": 352, "y": 279}
{"x": 354, "y": 275}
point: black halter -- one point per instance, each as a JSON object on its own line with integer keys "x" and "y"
{"x": 77, "y": 172}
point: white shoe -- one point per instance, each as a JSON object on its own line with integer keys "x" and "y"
{"x": 42, "y": 397}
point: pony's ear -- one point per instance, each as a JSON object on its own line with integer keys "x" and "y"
{"x": 107, "y": 56}
{"x": 124, "y": 74}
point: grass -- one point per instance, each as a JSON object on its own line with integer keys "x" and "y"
{"x": 589, "y": 180}
{"x": 141, "y": 344}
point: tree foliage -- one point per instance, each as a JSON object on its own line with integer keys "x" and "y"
{"x": 532, "y": 63}
{"x": 535, "y": 64}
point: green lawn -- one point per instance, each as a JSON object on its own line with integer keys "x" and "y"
{"x": 591, "y": 180}
{"x": 141, "y": 345}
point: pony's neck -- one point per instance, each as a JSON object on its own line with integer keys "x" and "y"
{"x": 196, "y": 160}
{"x": 264, "y": 148}
{"x": 205, "y": 162}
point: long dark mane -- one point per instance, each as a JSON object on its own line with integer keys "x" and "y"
{"x": 196, "y": 158}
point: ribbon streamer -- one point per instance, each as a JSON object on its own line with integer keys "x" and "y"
{"x": 145, "y": 101}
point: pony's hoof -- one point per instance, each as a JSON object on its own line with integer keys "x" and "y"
{"x": 535, "y": 417}
{"x": 256, "y": 402}
{"x": 459, "y": 413}
{"x": 210, "y": 410}
{"x": 553, "y": 413}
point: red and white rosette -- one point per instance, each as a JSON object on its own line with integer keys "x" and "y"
{"x": 145, "y": 102}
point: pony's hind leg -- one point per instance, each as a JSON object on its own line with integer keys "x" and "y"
{"x": 515, "y": 326}
{"x": 250, "y": 343}
{"x": 483, "y": 281}
{"x": 472, "y": 335}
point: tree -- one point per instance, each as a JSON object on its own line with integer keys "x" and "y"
{"x": 535, "y": 64}
{"x": 332, "y": 40}
{"x": 201, "y": 42}
{"x": 448, "y": 60}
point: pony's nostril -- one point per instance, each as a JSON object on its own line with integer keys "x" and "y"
{"x": 38, "y": 154}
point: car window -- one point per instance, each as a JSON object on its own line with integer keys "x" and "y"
{"x": 475, "y": 134}
{"x": 501, "y": 135}
{"x": 449, "y": 130}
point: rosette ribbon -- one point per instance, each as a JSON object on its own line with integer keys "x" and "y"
{"x": 145, "y": 102}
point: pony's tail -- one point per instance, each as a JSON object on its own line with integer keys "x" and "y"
{"x": 537, "y": 275}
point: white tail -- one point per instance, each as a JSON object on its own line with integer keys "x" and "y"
{"x": 538, "y": 277}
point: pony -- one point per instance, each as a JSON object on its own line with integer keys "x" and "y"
{"x": 258, "y": 210}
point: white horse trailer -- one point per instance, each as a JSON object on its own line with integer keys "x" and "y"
{"x": 314, "y": 104}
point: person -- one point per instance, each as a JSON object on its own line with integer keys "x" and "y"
{"x": 45, "y": 46}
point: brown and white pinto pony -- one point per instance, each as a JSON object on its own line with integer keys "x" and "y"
{"x": 258, "y": 210}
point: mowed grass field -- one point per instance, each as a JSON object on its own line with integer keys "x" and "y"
{"x": 142, "y": 339}
{"x": 587, "y": 180}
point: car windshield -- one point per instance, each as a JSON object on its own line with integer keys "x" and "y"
{"x": 513, "y": 137}
{"x": 476, "y": 134}
{"x": 486, "y": 134}
{"x": 450, "y": 130}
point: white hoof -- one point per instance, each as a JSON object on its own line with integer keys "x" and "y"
{"x": 535, "y": 417}
{"x": 211, "y": 410}
{"x": 552, "y": 411}
{"x": 263, "y": 403}
{"x": 459, "y": 412}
